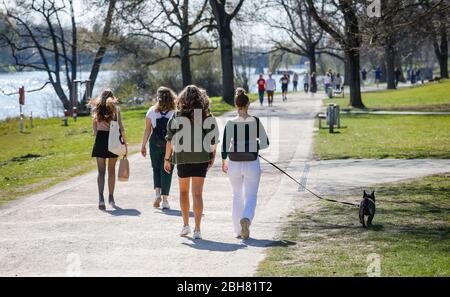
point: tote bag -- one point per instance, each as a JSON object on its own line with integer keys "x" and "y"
{"x": 116, "y": 145}
{"x": 124, "y": 169}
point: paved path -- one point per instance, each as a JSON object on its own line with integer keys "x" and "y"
{"x": 61, "y": 230}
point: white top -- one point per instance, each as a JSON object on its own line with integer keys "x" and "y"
{"x": 328, "y": 79}
{"x": 271, "y": 85}
{"x": 154, "y": 115}
{"x": 306, "y": 79}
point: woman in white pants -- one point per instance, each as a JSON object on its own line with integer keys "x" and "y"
{"x": 243, "y": 137}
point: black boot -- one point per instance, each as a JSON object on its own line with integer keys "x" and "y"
{"x": 101, "y": 202}
{"x": 111, "y": 201}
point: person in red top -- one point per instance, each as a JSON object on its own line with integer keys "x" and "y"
{"x": 261, "y": 88}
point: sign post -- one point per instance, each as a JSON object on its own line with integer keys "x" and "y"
{"x": 21, "y": 102}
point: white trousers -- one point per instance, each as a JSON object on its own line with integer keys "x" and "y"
{"x": 244, "y": 178}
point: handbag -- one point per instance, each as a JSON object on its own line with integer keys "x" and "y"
{"x": 116, "y": 145}
{"x": 124, "y": 170}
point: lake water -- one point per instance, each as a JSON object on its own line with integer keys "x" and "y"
{"x": 44, "y": 103}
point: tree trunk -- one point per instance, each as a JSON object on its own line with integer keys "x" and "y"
{"x": 226, "y": 51}
{"x": 312, "y": 59}
{"x": 185, "y": 60}
{"x": 389, "y": 54}
{"x": 443, "y": 57}
{"x": 74, "y": 57}
{"x": 102, "y": 49}
{"x": 354, "y": 77}
{"x": 347, "y": 72}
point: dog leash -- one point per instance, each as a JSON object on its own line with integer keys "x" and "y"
{"x": 311, "y": 192}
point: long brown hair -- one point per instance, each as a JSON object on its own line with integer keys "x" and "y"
{"x": 165, "y": 99}
{"x": 191, "y": 98}
{"x": 104, "y": 106}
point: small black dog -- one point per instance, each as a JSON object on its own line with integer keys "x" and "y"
{"x": 367, "y": 208}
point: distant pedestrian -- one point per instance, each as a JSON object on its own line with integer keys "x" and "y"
{"x": 419, "y": 76}
{"x": 243, "y": 137}
{"x": 295, "y": 81}
{"x": 313, "y": 82}
{"x": 271, "y": 87}
{"x": 338, "y": 82}
{"x": 104, "y": 110}
{"x": 284, "y": 80}
{"x": 306, "y": 82}
{"x": 156, "y": 129}
{"x": 413, "y": 76}
{"x": 364, "y": 76}
{"x": 378, "y": 76}
{"x": 327, "y": 82}
{"x": 261, "y": 88}
{"x": 398, "y": 74}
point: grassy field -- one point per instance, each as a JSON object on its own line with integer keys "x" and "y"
{"x": 50, "y": 153}
{"x": 386, "y": 136}
{"x": 411, "y": 234}
{"x": 430, "y": 97}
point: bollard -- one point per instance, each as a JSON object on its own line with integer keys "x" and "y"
{"x": 338, "y": 116}
{"x": 75, "y": 113}
{"x": 330, "y": 117}
{"x": 66, "y": 115}
{"x": 31, "y": 120}
{"x": 21, "y": 127}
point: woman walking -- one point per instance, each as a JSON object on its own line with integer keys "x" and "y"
{"x": 105, "y": 110}
{"x": 192, "y": 135}
{"x": 156, "y": 129}
{"x": 243, "y": 137}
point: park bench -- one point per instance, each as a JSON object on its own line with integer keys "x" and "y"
{"x": 332, "y": 117}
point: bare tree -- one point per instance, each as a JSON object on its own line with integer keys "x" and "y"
{"x": 172, "y": 23}
{"x": 348, "y": 37}
{"x": 304, "y": 37}
{"x": 223, "y": 20}
{"x": 43, "y": 35}
{"x": 38, "y": 40}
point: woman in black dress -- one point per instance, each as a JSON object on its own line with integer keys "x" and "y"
{"x": 105, "y": 110}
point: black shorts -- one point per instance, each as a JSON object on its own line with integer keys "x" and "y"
{"x": 284, "y": 88}
{"x": 192, "y": 170}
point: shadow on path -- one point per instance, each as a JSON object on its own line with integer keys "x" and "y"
{"x": 216, "y": 246}
{"x": 173, "y": 212}
{"x": 124, "y": 212}
{"x": 267, "y": 243}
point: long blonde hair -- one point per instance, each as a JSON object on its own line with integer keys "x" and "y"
{"x": 104, "y": 106}
{"x": 165, "y": 99}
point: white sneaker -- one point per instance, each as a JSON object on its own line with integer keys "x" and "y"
{"x": 165, "y": 205}
{"x": 197, "y": 235}
{"x": 185, "y": 231}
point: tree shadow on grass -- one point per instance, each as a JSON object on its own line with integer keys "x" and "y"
{"x": 264, "y": 243}
{"x": 119, "y": 212}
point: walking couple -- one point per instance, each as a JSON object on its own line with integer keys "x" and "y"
{"x": 181, "y": 131}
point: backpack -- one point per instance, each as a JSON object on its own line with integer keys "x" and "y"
{"x": 246, "y": 156}
{"x": 158, "y": 137}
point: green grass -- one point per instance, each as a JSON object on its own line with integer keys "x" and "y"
{"x": 411, "y": 234}
{"x": 430, "y": 97}
{"x": 50, "y": 153}
{"x": 386, "y": 136}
